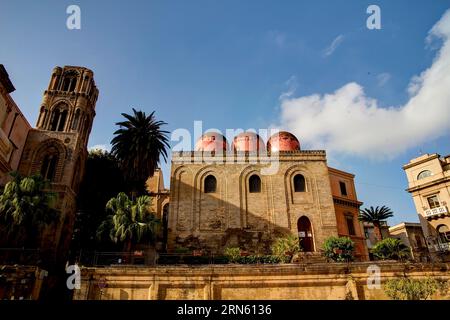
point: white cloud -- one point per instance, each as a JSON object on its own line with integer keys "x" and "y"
{"x": 103, "y": 147}
{"x": 349, "y": 122}
{"x": 333, "y": 46}
{"x": 383, "y": 78}
{"x": 291, "y": 85}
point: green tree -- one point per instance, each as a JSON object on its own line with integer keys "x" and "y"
{"x": 405, "y": 288}
{"x": 339, "y": 249}
{"x": 286, "y": 248}
{"x": 233, "y": 254}
{"x": 376, "y": 216}
{"x": 102, "y": 181}
{"x": 391, "y": 248}
{"x": 26, "y": 207}
{"x": 131, "y": 222}
{"x": 138, "y": 145}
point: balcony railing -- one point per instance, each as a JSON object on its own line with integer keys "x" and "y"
{"x": 445, "y": 246}
{"x": 435, "y": 212}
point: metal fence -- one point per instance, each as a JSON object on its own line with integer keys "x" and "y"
{"x": 11, "y": 256}
{"x": 146, "y": 258}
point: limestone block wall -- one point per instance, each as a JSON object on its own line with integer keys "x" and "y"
{"x": 252, "y": 282}
{"x": 232, "y": 216}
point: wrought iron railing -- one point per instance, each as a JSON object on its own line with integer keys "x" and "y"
{"x": 146, "y": 258}
{"x": 10, "y": 256}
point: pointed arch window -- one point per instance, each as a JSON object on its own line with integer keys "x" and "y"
{"x": 299, "y": 183}
{"x": 42, "y": 116}
{"x": 76, "y": 119}
{"x": 254, "y": 184}
{"x": 58, "y": 118}
{"x": 48, "y": 169}
{"x": 210, "y": 184}
{"x": 69, "y": 82}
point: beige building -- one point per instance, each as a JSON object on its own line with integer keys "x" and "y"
{"x": 218, "y": 202}
{"x": 429, "y": 184}
{"x": 411, "y": 235}
{"x": 371, "y": 235}
{"x": 13, "y": 129}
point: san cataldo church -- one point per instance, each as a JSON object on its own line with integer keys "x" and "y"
{"x": 213, "y": 202}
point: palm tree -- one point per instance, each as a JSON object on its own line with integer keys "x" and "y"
{"x": 138, "y": 145}
{"x": 131, "y": 221}
{"x": 376, "y": 216}
{"x": 391, "y": 248}
{"x": 26, "y": 207}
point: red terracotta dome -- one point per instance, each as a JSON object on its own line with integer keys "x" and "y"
{"x": 211, "y": 141}
{"x": 283, "y": 141}
{"x": 248, "y": 141}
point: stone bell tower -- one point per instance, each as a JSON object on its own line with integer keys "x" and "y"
{"x": 57, "y": 148}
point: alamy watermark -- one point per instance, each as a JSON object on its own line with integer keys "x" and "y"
{"x": 73, "y": 21}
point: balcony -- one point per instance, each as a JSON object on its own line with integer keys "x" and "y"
{"x": 435, "y": 212}
{"x": 445, "y": 246}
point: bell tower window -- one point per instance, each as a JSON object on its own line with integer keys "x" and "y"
{"x": 69, "y": 82}
{"x": 58, "y": 119}
{"x": 48, "y": 168}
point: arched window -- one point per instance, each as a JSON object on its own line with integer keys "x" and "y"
{"x": 55, "y": 119}
{"x": 58, "y": 119}
{"x": 424, "y": 174}
{"x": 254, "y": 184}
{"x": 62, "y": 120}
{"x": 299, "y": 183}
{"x": 76, "y": 119}
{"x": 48, "y": 168}
{"x": 444, "y": 233}
{"x": 70, "y": 82}
{"x": 210, "y": 184}
{"x": 42, "y": 116}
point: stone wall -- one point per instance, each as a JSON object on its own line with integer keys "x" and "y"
{"x": 232, "y": 216}
{"x": 255, "y": 282}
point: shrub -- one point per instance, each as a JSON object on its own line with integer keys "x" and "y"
{"x": 414, "y": 289}
{"x": 233, "y": 254}
{"x": 286, "y": 248}
{"x": 339, "y": 249}
{"x": 182, "y": 250}
{"x": 391, "y": 248}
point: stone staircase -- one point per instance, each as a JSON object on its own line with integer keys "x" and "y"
{"x": 310, "y": 258}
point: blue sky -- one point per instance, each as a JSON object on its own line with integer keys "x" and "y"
{"x": 228, "y": 62}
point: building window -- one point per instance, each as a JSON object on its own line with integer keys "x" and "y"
{"x": 76, "y": 119}
{"x": 70, "y": 82}
{"x": 444, "y": 233}
{"x": 210, "y": 184}
{"x": 254, "y": 184}
{"x": 299, "y": 183}
{"x": 419, "y": 243}
{"x": 350, "y": 225}
{"x": 48, "y": 168}
{"x": 424, "y": 174}
{"x": 433, "y": 201}
{"x": 343, "y": 188}
{"x": 58, "y": 120}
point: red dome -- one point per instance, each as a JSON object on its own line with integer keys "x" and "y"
{"x": 283, "y": 141}
{"x": 248, "y": 141}
{"x": 211, "y": 141}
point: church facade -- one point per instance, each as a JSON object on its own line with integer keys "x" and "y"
{"x": 220, "y": 196}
